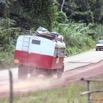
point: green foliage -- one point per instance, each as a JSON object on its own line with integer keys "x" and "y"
{"x": 71, "y": 94}
{"x": 99, "y": 32}
{"x": 56, "y": 96}
{"x": 86, "y": 11}
{"x": 36, "y": 12}
{"x": 61, "y": 17}
{"x": 8, "y": 36}
{"x": 76, "y": 37}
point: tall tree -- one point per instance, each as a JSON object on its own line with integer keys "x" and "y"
{"x": 36, "y": 12}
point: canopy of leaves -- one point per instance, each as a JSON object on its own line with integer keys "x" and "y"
{"x": 84, "y": 10}
{"x": 30, "y": 13}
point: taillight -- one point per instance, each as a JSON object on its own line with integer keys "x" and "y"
{"x": 16, "y": 61}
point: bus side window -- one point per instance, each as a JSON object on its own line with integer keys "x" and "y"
{"x": 36, "y": 42}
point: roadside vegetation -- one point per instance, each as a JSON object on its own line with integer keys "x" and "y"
{"x": 70, "y": 94}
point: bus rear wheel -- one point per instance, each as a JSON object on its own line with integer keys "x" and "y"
{"x": 22, "y": 72}
{"x": 60, "y": 71}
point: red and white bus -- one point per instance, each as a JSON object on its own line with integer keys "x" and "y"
{"x": 36, "y": 55}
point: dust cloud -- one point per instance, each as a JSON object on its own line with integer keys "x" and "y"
{"x": 28, "y": 85}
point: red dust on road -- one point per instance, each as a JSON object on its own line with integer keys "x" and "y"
{"x": 36, "y": 84}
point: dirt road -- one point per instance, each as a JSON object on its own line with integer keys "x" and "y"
{"x": 88, "y": 64}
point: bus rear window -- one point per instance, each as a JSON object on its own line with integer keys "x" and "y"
{"x": 36, "y": 42}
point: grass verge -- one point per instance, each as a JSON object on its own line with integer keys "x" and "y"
{"x": 70, "y": 94}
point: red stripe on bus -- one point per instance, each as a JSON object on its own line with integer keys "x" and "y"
{"x": 38, "y": 60}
